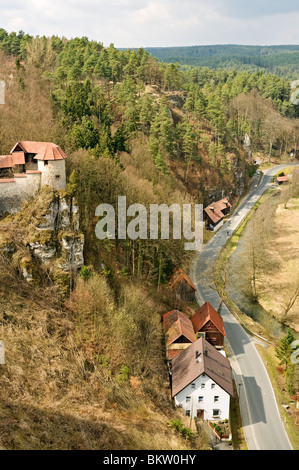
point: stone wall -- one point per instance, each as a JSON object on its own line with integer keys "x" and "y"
{"x": 17, "y": 190}
{"x": 53, "y": 174}
{"x": 14, "y": 191}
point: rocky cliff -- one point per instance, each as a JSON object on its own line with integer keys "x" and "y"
{"x": 44, "y": 240}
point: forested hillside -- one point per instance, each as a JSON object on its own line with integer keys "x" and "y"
{"x": 281, "y": 60}
{"x": 91, "y": 362}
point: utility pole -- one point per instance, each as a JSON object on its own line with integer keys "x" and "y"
{"x": 2, "y": 354}
{"x": 2, "y": 92}
{"x": 2, "y": 101}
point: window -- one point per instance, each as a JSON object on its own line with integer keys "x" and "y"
{"x": 216, "y": 399}
{"x": 216, "y": 413}
{"x": 213, "y": 385}
{"x": 200, "y": 399}
{"x": 57, "y": 177}
{"x": 193, "y": 386}
{"x": 203, "y": 386}
{"x": 46, "y": 162}
{"x": 188, "y": 399}
{"x": 188, "y": 412}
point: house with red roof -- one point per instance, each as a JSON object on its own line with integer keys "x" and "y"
{"x": 282, "y": 179}
{"x": 182, "y": 286}
{"x": 215, "y": 212}
{"x": 207, "y": 323}
{"x": 179, "y": 333}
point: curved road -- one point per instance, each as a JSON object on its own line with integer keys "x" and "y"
{"x": 262, "y": 424}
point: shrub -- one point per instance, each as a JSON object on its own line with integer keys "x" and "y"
{"x": 176, "y": 424}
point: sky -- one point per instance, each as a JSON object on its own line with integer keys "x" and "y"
{"x": 153, "y": 23}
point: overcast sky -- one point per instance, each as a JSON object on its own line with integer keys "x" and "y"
{"x": 144, "y": 23}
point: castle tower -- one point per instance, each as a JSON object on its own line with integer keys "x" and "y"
{"x": 46, "y": 158}
{"x": 51, "y": 163}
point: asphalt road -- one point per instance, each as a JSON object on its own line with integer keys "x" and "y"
{"x": 262, "y": 424}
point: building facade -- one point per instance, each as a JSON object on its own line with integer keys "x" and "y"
{"x": 204, "y": 399}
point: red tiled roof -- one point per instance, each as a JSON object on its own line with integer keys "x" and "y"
{"x": 282, "y": 178}
{"x": 8, "y": 161}
{"x": 18, "y": 158}
{"x": 177, "y": 324}
{"x": 42, "y": 150}
{"x": 214, "y": 214}
{"x": 214, "y": 210}
{"x": 203, "y": 315}
{"x": 178, "y": 276}
{"x": 201, "y": 357}
{"x": 7, "y": 180}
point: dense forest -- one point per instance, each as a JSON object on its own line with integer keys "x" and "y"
{"x": 156, "y": 133}
{"x": 280, "y": 60}
{"x": 180, "y": 131}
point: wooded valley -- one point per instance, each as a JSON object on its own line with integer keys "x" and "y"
{"x": 92, "y": 362}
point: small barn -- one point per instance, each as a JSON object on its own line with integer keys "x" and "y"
{"x": 282, "y": 179}
{"x": 215, "y": 212}
{"x": 182, "y": 286}
{"x": 207, "y": 323}
{"x": 179, "y": 333}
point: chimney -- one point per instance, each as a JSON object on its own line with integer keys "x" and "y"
{"x": 197, "y": 357}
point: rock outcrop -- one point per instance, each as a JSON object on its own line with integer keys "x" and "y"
{"x": 44, "y": 238}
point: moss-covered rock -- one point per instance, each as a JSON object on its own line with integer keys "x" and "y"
{"x": 48, "y": 228}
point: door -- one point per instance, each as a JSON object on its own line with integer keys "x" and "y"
{"x": 200, "y": 415}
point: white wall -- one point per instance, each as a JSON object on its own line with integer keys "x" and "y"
{"x": 13, "y": 194}
{"x": 208, "y": 393}
{"x": 26, "y": 185}
{"x": 53, "y": 174}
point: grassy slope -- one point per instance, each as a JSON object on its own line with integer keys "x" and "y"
{"x": 55, "y": 395}
{"x": 278, "y": 285}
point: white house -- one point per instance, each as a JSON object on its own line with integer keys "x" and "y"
{"x": 202, "y": 382}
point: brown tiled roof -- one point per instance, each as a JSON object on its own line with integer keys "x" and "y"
{"x": 177, "y": 324}
{"x": 203, "y": 315}
{"x": 179, "y": 276}
{"x": 201, "y": 357}
{"x": 172, "y": 353}
{"x": 43, "y": 150}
